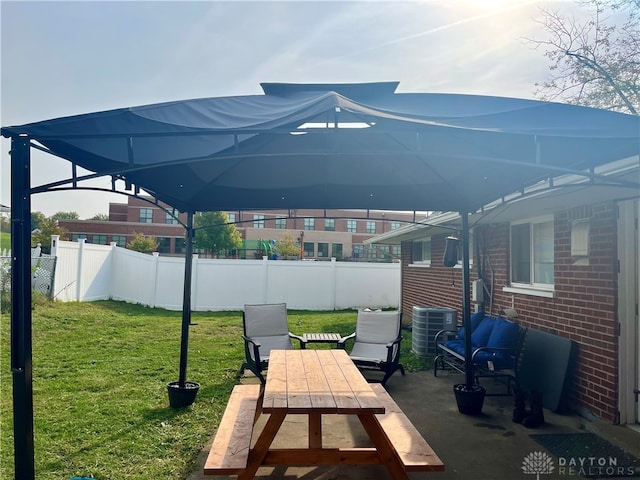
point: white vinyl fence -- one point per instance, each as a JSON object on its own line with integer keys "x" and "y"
{"x": 87, "y": 272}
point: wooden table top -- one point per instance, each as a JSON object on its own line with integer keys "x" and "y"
{"x": 317, "y": 381}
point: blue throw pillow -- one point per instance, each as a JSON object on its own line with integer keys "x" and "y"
{"x": 476, "y": 318}
{"x": 481, "y": 334}
{"x": 504, "y": 334}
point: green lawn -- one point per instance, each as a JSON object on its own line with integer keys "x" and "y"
{"x": 5, "y": 241}
{"x": 99, "y": 376}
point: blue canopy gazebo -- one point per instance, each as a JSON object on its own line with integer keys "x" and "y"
{"x": 358, "y": 146}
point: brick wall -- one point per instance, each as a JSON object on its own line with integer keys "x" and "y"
{"x": 583, "y": 308}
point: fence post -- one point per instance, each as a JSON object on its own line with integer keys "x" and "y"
{"x": 54, "y": 245}
{"x": 334, "y": 279}
{"x": 154, "y": 275}
{"x": 79, "y": 271}
{"x": 194, "y": 281}
{"x": 265, "y": 277}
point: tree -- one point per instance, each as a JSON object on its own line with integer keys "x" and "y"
{"x": 287, "y": 246}
{"x": 595, "y": 61}
{"x": 100, "y": 216}
{"x": 214, "y": 232}
{"x": 36, "y": 219}
{"x": 47, "y": 227}
{"x": 65, "y": 216}
{"x": 141, "y": 243}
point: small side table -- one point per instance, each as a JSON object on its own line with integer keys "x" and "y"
{"x": 321, "y": 338}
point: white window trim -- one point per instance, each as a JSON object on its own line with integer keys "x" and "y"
{"x": 532, "y": 289}
{"x": 421, "y": 263}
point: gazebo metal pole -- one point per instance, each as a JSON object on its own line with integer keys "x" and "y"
{"x": 21, "y": 339}
{"x": 466, "y": 301}
{"x": 186, "y": 300}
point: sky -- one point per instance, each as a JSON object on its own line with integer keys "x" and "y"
{"x": 67, "y": 58}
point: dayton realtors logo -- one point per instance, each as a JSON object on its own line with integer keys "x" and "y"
{"x": 537, "y": 463}
{"x": 540, "y": 463}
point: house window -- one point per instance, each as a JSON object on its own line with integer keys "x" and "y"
{"x": 395, "y": 251}
{"x": 371, "y": 227}
{"x": 395, "y": 225}
{"x": 77, "y": 236}
{"x": 330, "y": 224}
{"x": 121, "y": 240}
{"x": 421, "y": 252}
{"x": 164, "y": 244}
{"x": 181, "y": 247}
{"x": 146, "y": 215}
{"x": 258, "y": 220}
{"x": 100, "y": 239}
{"x": 352, "y": 226}
{"x": 532, "y": 253}
{"x": 281, "y": 223}
{"x": 231, "y": 217}
{"x": 358, "y": 251}
{"x": 309, "y": 223}
{"x": 170, "y": 219}
{"x": 336, "y": 250}
{"x": 309, "y": 249}
{"x": 323, "y": 249}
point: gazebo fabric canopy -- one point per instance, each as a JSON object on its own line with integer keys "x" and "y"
{"x": 305, "y": 146}
{"x": 312, "y": 146}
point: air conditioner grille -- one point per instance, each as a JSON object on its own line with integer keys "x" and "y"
{"x": 426, "y": 322}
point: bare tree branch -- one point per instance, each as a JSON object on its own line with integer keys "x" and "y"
{"x": 594, "y": 58}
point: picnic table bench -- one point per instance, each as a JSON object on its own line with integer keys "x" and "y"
{"x": 316, "y": 383}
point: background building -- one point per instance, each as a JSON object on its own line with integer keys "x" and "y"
{"x": 321, "y": 234}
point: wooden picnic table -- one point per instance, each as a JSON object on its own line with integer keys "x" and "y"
{"x": 316, "y": 383}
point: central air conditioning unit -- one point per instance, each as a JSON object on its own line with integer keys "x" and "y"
{"x": 426, "y": 322}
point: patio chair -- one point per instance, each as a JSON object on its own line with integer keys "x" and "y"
{"x": 376, "y": 342}
{"x": 266, "y": 328}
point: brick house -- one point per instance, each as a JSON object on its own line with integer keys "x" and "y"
{"x": 322, "y": 233}
{"x": 567, "y": 261}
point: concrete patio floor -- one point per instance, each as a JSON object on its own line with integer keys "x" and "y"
{"x": 485, "y": 447}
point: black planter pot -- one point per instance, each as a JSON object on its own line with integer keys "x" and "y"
{"x": 182, "y": 395}
{"x": 469, "y": 400}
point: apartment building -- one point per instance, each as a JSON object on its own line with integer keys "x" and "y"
{"x": 321, "y": 234}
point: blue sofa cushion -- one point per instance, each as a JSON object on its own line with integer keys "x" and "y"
{"x": 480, "y": 336}
{"x": 500, "y": 360}
{"x": 476, "y": 318}
{"x": 504, "y": 334}
{"x": 456, "y": 345}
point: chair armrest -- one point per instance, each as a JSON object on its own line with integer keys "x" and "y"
{"x": 393, "y": 350}
{"x": 392, "y": 343}
{"x": 493, "y": 350}
{"x": 255, "y": 345}
{"x": 445, "y": 333}
{"x": 343, "y": 340}
{"x": 303, "y": 344}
